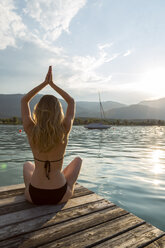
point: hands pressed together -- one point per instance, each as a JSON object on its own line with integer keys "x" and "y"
{"x": 49, "y": 77}
{"x": 49, "y": 80}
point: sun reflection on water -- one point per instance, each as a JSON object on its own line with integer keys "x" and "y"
{"x": 157, "y": 168}
{"x": 156, "y": 182}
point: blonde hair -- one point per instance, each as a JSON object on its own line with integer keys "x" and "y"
{"x": 48, "y": 118}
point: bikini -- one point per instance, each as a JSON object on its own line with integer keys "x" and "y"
{"x": 47, "y": 196}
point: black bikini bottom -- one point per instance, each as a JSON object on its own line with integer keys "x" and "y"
{"x": 46, "y": 196}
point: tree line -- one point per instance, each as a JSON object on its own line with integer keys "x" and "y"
{"x": 13, "y": 120}
{"x": 84, "y": 121}
{"x": 118, "y": 122}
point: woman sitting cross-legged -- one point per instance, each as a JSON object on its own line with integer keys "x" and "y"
{"x": 48, "y": 133}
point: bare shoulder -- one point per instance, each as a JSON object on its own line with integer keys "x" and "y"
{"x": 27, "y": 120}
{"x": 69, "y": 116}
{"x": 67, "y": 126}
{"x": 28, "y": 128}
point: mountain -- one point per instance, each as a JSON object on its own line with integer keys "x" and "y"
{"x": 92, "y": 109}
{"x": 10, "y": 106}
{"x": 159, "y": 103}
{"x": 136, "y": 111}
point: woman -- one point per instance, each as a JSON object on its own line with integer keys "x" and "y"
{"x": 48, "y": 132}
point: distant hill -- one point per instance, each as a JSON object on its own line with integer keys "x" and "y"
{"x": 160, "y": 103}
{"x": 92, "y": 109}
{"x": 10, "y": 106}
{"x": 135, "y": 112}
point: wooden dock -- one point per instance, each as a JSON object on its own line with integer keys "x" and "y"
{"x": 86, "y": 220}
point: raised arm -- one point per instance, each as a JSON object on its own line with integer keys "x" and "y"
{"x": 70, "y": 112}
{"x": 25, "y": 108}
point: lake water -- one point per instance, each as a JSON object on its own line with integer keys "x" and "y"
{"x": 125, "y": 165}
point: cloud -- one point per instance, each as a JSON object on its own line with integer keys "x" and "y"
{"x": 12, "y": 27}
{"x": 42, "y": 22}
{"x": 81, "y": 72}
{"x": 103, "y": 46}
{"x": 31, "y": 37}
{"x": 127, "y": 53}
{"x": 53, "y": 17}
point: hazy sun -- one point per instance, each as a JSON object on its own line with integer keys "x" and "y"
{"x": 153, "y": 81}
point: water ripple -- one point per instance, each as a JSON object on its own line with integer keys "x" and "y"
{"x": 125, "y": 165}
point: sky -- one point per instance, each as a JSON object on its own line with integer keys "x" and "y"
{"x": 115, "y": 47}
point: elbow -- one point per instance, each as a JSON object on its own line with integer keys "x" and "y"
{"x": 24, "y": 99}
{"x": 72, "y": 101}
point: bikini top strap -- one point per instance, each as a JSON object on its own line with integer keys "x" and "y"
{"x": 49, "y": 160}
{"x": 47, "y": 165}
{"x": 47, "y": 169}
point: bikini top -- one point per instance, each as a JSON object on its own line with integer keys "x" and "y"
{"x": 47, "y": 165}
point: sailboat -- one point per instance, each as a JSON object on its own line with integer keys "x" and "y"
{"x": 98, "y": 125}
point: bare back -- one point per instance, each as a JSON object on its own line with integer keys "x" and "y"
{"x": 57, "y": 178}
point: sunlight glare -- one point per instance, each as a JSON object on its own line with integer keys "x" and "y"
{"x": 156, "y": 182}
{"x": 153, "y": 81}
{"x": 157, "y": 169}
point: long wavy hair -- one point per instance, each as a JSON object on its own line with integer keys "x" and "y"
{"x": 48, "y": 118}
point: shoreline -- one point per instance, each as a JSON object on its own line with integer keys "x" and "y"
{"x": 81, "y": 121}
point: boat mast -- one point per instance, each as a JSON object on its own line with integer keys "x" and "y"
{"x": 101, "y": 108}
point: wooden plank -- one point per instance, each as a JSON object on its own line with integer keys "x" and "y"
{"x": 22, "y": 205}
{"x": 11, "y": 193}
{"x": 157, "y": 243}
{"x": 52, "y": 219}
{"x": 4, "y": 189}
{"x": 12, "y": 200}
{"x": 26, "y": 205}
{"x": 79, "y": 191}
{"x": 51, "y": 233}
{"x": 8, "y": 219}
{"x": 16, "y": 207}
{"x": 14, "y": 190}
{"x": 11, "y": 187}
{"x": 11, "y": 190}
{"x": 134, "y": 238}
{"x": 97, "y": 232}
{"x": 86, "y": 220}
